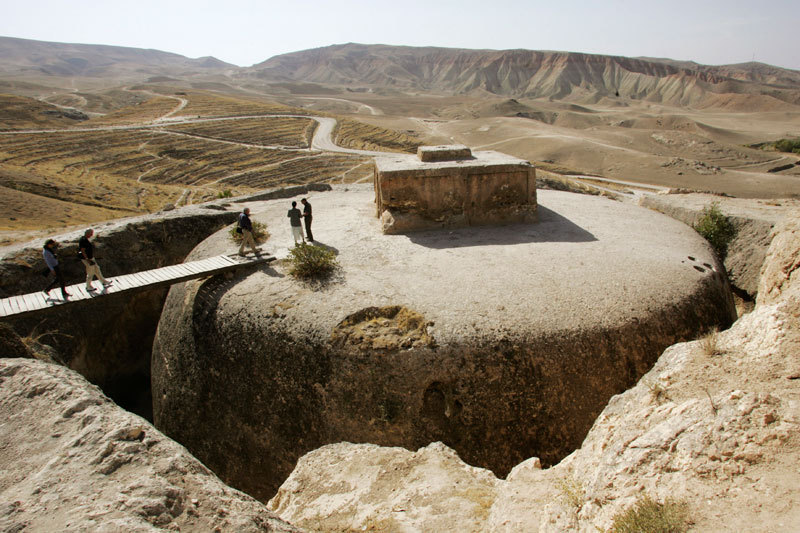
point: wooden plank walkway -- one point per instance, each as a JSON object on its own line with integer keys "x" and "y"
{"x": 38, "y": 302}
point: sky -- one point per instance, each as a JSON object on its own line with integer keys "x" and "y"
{"x": 245, "y": 32}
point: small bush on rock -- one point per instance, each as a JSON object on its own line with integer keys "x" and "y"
{"x": 312, "y": 262}
{"x": 572, "y": 491}
{"x": 650, "y": 516}
{"x": 260, "y": 233}
{"x": 716, "y": 228}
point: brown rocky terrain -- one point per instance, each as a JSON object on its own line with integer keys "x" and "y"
{"x": 25, "y": 56}
{"x": 534, "y": 74}
{"x": 714, "y": 424}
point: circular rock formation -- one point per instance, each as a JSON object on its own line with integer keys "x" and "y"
{"x": 502, "y": 342}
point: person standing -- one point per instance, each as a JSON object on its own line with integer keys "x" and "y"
{"x": 49, "y": 254}
{"x": 247, "y": 232}
{"x": 294, "y": 219}
{"x": 86, "y": 255}
{"x": 307, "y": 219}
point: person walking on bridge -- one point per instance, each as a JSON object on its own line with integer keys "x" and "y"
{"x": 307, "y": 219}
{"x": 49, "y": 254}
{"x": 86, "y": 255}
{"x": 247, "y": 232}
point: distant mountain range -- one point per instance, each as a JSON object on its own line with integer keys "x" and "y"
{"x": 21, "y": 56}
{"x": 534, "y": 74}
{"x": 514, "y": 73}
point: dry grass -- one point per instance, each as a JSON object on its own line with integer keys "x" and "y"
{"x": 572, "y": 491}
{"x": 17, "y": 112}
{"x": 354, "y": 134}
{"x": 658, "y": 392}
{"x": 709, "y": 344}
{"x": 651, "y": 516}
{"x": 146, "y": 111}
{"x": 66, "y": 178}
{"x": 268, "y": 131}
{"x": 260, "y": 233}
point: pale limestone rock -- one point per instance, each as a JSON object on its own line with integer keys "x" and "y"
{"x": 73, "y": 461}
{"x": 718, "y": 431}
{"x": 368, "y": 487}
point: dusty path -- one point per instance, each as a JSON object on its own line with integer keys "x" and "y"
{"x": 361, "y": 105}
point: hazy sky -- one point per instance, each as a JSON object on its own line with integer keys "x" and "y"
{"x": 245, "y": 32}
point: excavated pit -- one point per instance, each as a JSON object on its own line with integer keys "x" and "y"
{"x": 502, "y": 342}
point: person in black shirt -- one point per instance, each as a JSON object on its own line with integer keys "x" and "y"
{"x": 307, "y": 219}
{"x": 86, "y": 255}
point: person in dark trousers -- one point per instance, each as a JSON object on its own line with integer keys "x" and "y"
{"x": 86, "y": 255}
{"x": 49, "y": 254}
{"x": 247, "y": 232}
{"x": 307, "y": 219}
{"x": 294, "y": 219}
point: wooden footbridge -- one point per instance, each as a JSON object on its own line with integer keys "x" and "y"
{"x": 39, "y": 302}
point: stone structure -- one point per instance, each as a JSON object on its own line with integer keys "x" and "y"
{"x": 449, "y": 186}
{"x": 699, "y": 428}
{"x": 502, "y": 342}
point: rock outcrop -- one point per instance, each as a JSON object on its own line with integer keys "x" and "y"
{"x": 753, "y": 219}
{"x": 501, "y": 342}
{"x": 73, "y": 461}
{"x": 714, "y": 424}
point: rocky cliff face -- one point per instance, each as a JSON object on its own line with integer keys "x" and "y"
{"x": 534, "y": 74}
{"x": 714, "y": 424}
{"x": 74, "y": 461}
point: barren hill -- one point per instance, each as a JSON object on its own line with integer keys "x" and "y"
{"x": 534, "y": 74}
{"x": 25, "y": 56}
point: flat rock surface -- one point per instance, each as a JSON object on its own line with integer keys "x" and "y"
{"x": 589, "y": 262}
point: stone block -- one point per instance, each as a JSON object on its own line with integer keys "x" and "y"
{"x": 450, "y": 152}
{"x": 487, "y": 188}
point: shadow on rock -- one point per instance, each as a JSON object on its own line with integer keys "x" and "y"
{"x": 551, "y": 227}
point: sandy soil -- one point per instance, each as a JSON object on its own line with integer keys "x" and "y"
{"x": 632, "y": 140}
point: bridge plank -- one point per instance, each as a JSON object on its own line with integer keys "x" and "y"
{"x": 137, "y": 281}
{"x": 18, "y": 306}
{"x": 37, "y": 299}
{"x": 6, "y": 307}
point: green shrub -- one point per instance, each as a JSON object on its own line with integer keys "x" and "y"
{"x": 788, "y": 145}
{"x": 717, "y": 229}
{"x": 650, "y": 516}
{"x": 227, "y": 193}
{"x": 260, "y": 233}
{"x": 312, "y": 262}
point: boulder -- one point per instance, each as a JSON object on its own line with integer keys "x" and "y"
{"x": 74, "y": 461}
{"x": 501, "y": 342}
